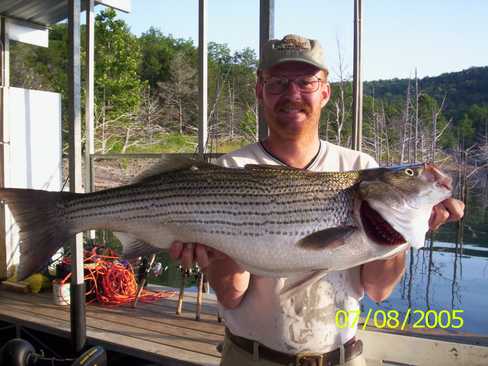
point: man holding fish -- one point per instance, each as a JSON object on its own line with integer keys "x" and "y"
{"x": 263, "y": 327}
{"x": 295, "y": 228}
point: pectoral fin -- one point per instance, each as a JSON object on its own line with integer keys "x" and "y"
{"x": 327, "y": 239}
{"x": 134, "y": 247}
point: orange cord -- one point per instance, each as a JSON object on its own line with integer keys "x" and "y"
{"x": 111, "y": 283}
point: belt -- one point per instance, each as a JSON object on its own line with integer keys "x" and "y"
{"x": 352, "y": 349}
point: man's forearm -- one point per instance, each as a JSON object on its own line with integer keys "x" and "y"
{"x": 229, "y": 281}
{"x": 380, "y": 277}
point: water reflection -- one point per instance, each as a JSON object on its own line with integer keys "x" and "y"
{"x": 444, "y": 276}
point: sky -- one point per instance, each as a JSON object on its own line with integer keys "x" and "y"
{"x": 399, "y": 36}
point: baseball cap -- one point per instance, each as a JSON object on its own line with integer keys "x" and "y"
{"x": 292, "y": 47}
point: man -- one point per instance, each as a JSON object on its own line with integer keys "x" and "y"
{"x": 292, "y": 87}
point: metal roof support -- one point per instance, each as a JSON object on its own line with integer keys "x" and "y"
{"x": 77, "y": 290}
{"x": 357, "y": 101}
{"x": 5, "y": 82}
{"x": 266, "y": 32}
{"x": 202, "y": 78}
{"x": 90, "y": 91}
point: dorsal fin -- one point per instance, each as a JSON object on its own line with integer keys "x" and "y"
{"x": 170, "y": 163}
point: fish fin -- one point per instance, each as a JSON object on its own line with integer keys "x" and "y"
{"x": 329, "y": 238}
{"x": 170, "y": 163}
{"x": 134, "y": 247}
{"x": 41, "y": 232}
{"x": 295, "y": 287}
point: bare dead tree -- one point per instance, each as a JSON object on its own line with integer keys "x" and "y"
{"x": 435, "y": 134}
{"x": 417, "y": 127}
{"x": 231, "y": 109}
{"x": 149, "y": 114}
{"x": 340, "y": 103}
{"x": 179, "y": 92}
{"x": 385, "y": 134}
{"x": 107, "y": 130}
{"x": 405, "y": 133}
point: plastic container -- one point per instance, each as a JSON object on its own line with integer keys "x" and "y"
{"x": 61, "y": 294}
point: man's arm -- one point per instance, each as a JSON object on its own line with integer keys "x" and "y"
{"x": 379, "y": 278}
{"x": 228, "y": 279}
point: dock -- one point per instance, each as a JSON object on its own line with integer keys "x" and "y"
{"x": 151, "y": 331}
{"x": 154, "y": 333}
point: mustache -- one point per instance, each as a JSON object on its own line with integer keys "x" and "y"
{"x": 293, "y": 105}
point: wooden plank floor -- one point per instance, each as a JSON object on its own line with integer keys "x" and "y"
{"x": 151, "y": 331}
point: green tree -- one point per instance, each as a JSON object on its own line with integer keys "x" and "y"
{"x": 158, "y": 51}
{"x": 479, "y": 115}
{"x": 118, "y": 88}
{"x": 117, "y": 55}
{"x": 466, "y": 131}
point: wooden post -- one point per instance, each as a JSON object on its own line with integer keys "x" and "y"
{"x": 90, "y": 99}
{"x": 202, "y": 78}
{"x": 90, "y": 92}
{"x": 266, "y": 32}
{"x": 77, "y": 304}
{"x": 357, "y": 103}
{"x": 5, "y": 81}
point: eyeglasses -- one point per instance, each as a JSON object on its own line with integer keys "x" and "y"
{"x": 278, "y": 85}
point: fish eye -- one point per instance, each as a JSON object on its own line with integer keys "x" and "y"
{"x": 409, "y": 172}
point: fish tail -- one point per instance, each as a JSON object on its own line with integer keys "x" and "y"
{"x": 41, "y": 228}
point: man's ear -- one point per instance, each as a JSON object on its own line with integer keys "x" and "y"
{"x": 325, "y": 93}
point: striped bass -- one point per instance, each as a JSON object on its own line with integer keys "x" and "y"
{"x": 273, "y": 220}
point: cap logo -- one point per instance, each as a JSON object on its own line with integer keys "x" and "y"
{"x": 291, "y": 48}
{"x": 293, "y": 43}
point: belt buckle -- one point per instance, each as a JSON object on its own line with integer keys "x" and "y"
{"x": 310, "y": 359}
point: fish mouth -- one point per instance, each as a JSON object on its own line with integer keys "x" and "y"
{"x": 377, "y": 229}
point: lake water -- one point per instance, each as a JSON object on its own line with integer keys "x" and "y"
{"x": 456, "y": 282}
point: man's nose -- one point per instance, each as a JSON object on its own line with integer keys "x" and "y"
{"x": 292, "y": 88}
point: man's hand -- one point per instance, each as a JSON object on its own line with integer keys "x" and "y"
{"x": 190, "y": 253}
{"x": 448, "y": 210}
{"x": 228, "y": 279}
{"x": 380, "y": 277}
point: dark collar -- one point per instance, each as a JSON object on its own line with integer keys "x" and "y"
{"x": 274, "y": 157}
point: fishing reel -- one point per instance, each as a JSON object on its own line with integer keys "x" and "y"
{"x": 146, "y": 266}
{"x": 19, "y": 352}
{"x": 194, "y": 273}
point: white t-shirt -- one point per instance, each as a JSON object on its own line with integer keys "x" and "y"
{"x": 305, "y": 322}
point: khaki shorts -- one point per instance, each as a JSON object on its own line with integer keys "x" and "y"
{"x": 232, "y": 355}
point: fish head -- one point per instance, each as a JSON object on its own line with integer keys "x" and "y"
{"x": 396, "y": 203}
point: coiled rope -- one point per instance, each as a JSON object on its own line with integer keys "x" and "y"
{"x": 110, "y": 281}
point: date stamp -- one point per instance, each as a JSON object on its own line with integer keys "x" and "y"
{"x": 393, "y": 319}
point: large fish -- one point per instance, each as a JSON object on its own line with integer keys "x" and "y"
{"x": 274, "y": 221}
